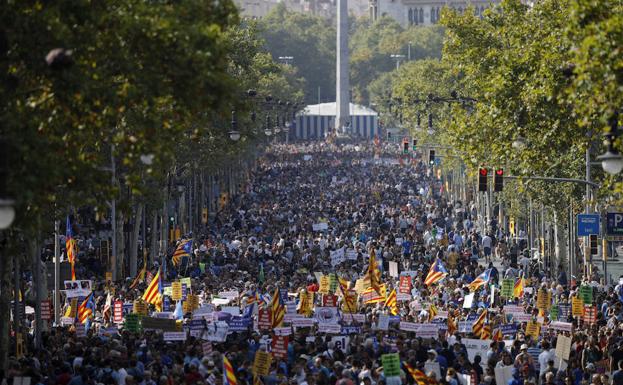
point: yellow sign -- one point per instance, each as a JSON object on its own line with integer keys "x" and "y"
{"x": 109, "y": 276}
{"x": 533, "y": 329}
{"x": 73, "y": 307}
{"x": 261, "y": 364}
{"x": 511, "y": 226}
{"x": 325, "y": 284}
{"x": 577, "y": 307}
{"x": 542, "y": 300}
{"x": 139, "y": 307}
{"x": 193, "y": 301}
{"x": 176, "y": 291}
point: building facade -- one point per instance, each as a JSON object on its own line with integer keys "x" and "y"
{"x": 423, "y": 12}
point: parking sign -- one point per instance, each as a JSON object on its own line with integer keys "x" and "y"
{"x": 614, "y": 224}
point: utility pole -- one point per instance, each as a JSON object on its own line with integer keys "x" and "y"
{"x": 57, "y": 273}
{"x": 113, "y": 256}
{"x": 588, "y": 258}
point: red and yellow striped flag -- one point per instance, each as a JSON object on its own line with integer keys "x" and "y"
{"x": 480, "y": 323}
{"x": 229, "y": 376}
{"x": 418, "y": 376}
{"x": 153, "y": 293}
{"x": 452, "y": 326}
{"x": 432, "y": 312}
{"x": 392, "y": 302}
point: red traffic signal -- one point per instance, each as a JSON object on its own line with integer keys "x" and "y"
{"x": 482, "y": 179}
{"x": 498, "y": 180}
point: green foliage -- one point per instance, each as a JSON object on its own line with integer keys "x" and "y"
{"x": 511, "y": 62}
{"x": 311, "y": 41}
{"x": 147, "y": 78}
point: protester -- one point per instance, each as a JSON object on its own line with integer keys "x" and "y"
{"x": 298, "y": 241}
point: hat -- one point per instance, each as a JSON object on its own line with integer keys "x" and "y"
{"x": 433, "y": 352}
{"x": 590, "y": 366}
{"x": 524, "y": 347}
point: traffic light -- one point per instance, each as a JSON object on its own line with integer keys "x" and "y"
{"x": 482, "y": 179}
{"x": 414, "y": 144}
{"x": 498, "y": 180}
{"x": 593, "y": 244}
{"x": 431, "y": 156}
{"x": 405, "y": 147}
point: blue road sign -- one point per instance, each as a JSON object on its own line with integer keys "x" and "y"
{"x": 614, "y": 224}
{"x": 588, "y": 224}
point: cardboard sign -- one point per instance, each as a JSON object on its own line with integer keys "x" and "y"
{"x": 563, "y": 326}
{"x": 405, "y": 284}
{"x": 217, "y": 332}
{"x": 174, "y": 336}
{"x": 542, "y": 302}
{"x": 393, "y": 269}
{"x": 586, "y": 294}
{"x": 73, "y": 307}
{"x": 409, "y": 326}
{"x": 279, "y": 346}
{"x": 46, "y": 310}
{"x": 118, "y": 312}
{"x": 329, "y": 300}
{"x": 508, "y": 285}
{"x": 139, "y": 307}
{"x": 176, "y": 291}
{"x": 590, "y": 314}
{"x": 261, "y": 363}
{"x": 533, "y": 329}
{"x": 476, "y": 347}
{"x": 563, "y": 347}
{"x": 80, "y": 288}
{"x": 428, "y": 331}
{"x": 264, "y": 319}
{"x": 391, "y": 364}
{"x": 577, "y": 307}
{"x": 468, "y": 301}
{"x": 131, "y": 322}
{"x": 383, "y": 322}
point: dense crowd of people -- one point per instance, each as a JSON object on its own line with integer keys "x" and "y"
{"x": 324, "y": 210}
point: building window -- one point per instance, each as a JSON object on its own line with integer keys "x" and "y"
{"x": 421, "y": 15}
{"x": 437, "y": 14}
{"x": 410, "y": 16}
{"x": 432, "y": 15}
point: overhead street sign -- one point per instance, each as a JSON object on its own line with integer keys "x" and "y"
{"x": 588, "y": 224}
{"x": 614, "y": 224}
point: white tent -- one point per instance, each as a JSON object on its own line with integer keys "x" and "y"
{"x": 316, "y": 120}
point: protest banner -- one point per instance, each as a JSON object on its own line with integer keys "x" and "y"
{"x": 176, "y": 291}
{"x": 533, "y": 329}
{"x": 391, "y": 364}
{"x": 508, "y": 285}
{"x": 261, "y": 363}
{"x": 577, "y": 307}
{"x": 279, "y": 346}
{"x": 405, "y": 284}
{"x": 586, "y": 294}
{"x": 563, "y": 347}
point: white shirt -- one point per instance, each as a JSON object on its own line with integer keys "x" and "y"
{"x": 545, "y": 356}
{"x": 487, "y": 241}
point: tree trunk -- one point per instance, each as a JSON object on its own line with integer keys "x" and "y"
{"x": 153, "y": 250}
{"x": 36, "y": 271}
{"x": 120, "y": 246}
{"x": 5, "y": 302}
{"x": 138, "y": 219}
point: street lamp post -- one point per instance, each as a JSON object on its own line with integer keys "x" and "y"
{"x": 397, "y": 57}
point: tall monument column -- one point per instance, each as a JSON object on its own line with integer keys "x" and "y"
{"x": 342, "y": 84}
